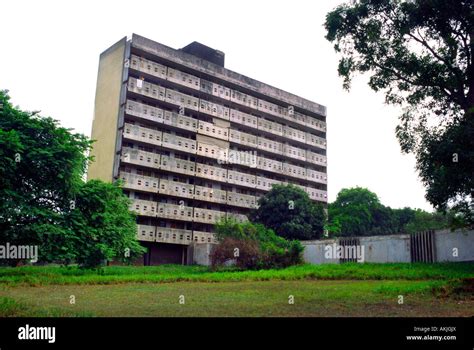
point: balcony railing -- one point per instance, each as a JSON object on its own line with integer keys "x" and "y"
{"x": 210, "y": 194}
{"x": 177, "y": 165}
{"x": 176, "y": 212}
{"x": 241, "y": 200}
{"x": 138, "y": 157}
{"x": 173, "y": 235}
{"x": 175, "y": 188}
{"x": 143, "y": 207}
{"x": 223, "y": 92}
{"x": 179, "y": 143}
{"x": 139, "y": 182}
{"x": 207, "y": 216}
{"x": 138, "y": 133}
{"x": 146, "y": 233}
{"x": 204, "y": 237}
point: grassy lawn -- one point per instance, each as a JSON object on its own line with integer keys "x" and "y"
{"x": 318, "y": 290}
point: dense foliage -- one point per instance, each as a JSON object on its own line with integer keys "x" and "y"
{"x": 420, "y": 54}
{"x": 253, "y": 246}
{"x": 289, "y": 211}
{"x": 358, "y": 212}
{"x": 44, "y": 200}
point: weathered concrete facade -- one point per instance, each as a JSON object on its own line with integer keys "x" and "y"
{"x": 449, "y": 246}
{"x": 194, "y": 142}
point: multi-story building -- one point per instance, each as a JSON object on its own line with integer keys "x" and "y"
{"x": 194, "y": 142}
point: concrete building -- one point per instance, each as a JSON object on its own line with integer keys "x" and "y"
{"x": 194, "y": 142}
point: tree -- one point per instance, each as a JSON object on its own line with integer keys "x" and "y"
{"x": 45, "y": 202}
{"x": 358, "y": 212}
{"x": 290, "y": 212}
{"x": 103, "y": 226}
{"x": 420, "y": 54}
{"x": 41, "y": 165}
{"x": 253, "y": 246}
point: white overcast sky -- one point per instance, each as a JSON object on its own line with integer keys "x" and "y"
{"x": 50, "y": 54}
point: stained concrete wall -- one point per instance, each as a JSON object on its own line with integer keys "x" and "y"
{"x": 392, "y": 248}
{"x": 396, "y": 248}
{"x": 449, "y": 244}
{"x": 106, "y": 111}
{"x": 201, "y": 252}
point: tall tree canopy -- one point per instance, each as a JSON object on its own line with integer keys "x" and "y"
{"x": 44, "y": 200}
{"x": 359, "y": 212}
{"x": 289, "y": 211}
{"x": 420, "y": 53}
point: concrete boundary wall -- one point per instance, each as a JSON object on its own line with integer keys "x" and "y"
{"x": 449, "y": 246}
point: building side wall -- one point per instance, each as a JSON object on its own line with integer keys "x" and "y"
{"x": 106, "y": 112}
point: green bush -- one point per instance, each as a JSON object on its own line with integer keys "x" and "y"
{"x": 258, "y": 246}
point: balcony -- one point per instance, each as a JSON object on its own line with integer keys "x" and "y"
{"x": 294, "y": 152}
{"x": 139, "y": 182}
{"x": 243, "y": 99}
{"x": 212, "y": 130}
{"x": 177, "y": 165}
{"x": 184, "y": 79}
{"x": 179, "y": 143}
{"x": 241, "y": 200}
{"x": 316, "y": 176}
{"x": 146, "y": 89}
{"x": 180, "y": 121}
{"x": 137, "y": 157}
{"x": 173, "y": 235}
{"x": 210, "y": 194}
{"x": 315, "y": 141}
{"x": 146, "y": 233}
{"x": 269, "y": 126}
{"x": 270, "y": 146}
{"x": 144, "y": 111}
{"x": 316, "y": 158}
{"x": 143, "y": 207}
{"x": 147, "y": 66}
{"x": 238, "y": 217}
{"x": 266, "y": 184}
{"x": 211, "y": 151}
{"x": 243, "y": 179}
{"x": 242, "y": 138}
{"x": 175, "y": 212}
{"x": 207, "y": 216}
{"x": 269, "y": 165}
{"x": 139, "y": 133}
{"x": 174, "y": 188}
{"x": 243, "y": 118}
{"x": 182, "y": 100}
{"x": 211, "y": 172}
{"x": 204, "y": 237}
{"x": 294, "y": 134}
{"x": 214, "y": 109}
{"x": 294, "y": 171}
{"x": 316, "y": 194}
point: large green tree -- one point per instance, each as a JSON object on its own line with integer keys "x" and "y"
{"x": 289, "y": 211}
{"x": 359, "y": 212}
{"x": 44, "y": 200}
{"x": 420, "y": 53}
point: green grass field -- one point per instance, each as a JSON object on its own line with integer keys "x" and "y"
{"x": 317, "y": 290}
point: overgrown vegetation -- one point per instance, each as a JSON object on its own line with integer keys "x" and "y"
{"x": 420, "y": 54}
{"x": 253, "y": 246}
{"x": 358, "y": 212}
{"x": 44, "y": 200}
{"x": 290, "y": 213}
{"x": 55, "y": 275}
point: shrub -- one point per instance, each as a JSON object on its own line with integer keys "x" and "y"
{"x": 258, "y": 246}
{"x": 245, "y": 253}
